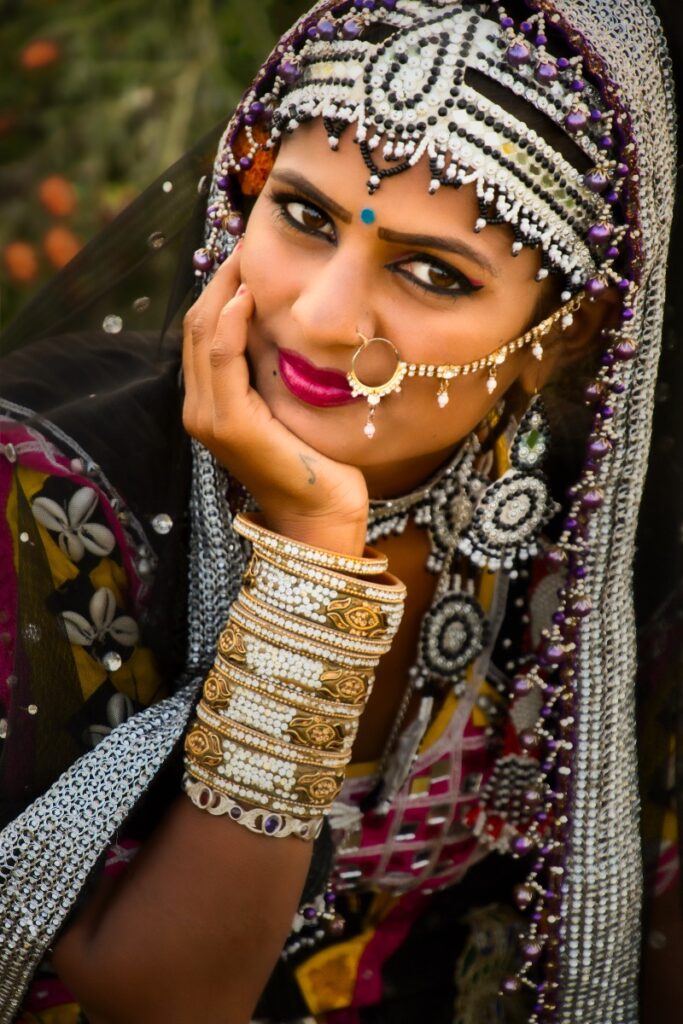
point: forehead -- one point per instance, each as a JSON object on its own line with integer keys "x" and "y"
{"x": 402, "y": 203}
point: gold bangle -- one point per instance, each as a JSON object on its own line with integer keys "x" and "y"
{"x": 250, "y": 526}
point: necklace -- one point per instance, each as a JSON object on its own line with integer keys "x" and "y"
{"x": 453, "y": 630}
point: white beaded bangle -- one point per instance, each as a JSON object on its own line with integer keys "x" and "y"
{"x": 248, "y": 525}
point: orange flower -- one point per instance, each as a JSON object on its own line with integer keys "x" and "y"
{"x": 21, "y": 262}
{"x": 57, "y": 195}
{"x": 39, "y": 54}
{"x": 60, "y": 245}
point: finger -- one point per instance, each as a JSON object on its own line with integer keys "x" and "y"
{"x": 200, "y": 323}
{"x": 222, "y": 369}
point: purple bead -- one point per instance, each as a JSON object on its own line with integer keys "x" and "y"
{"x": 271, "y": 824}
{"x": 625, "y": 350}
{"x": 554, "y": 654}
{"x": 330, "y": 899}
{"x": 570, "y": 523}
{"x": 510, "y": 986}
{"x": 367, "y": 5}
{"x": 235, "y": 224}
{"x": 256, "y": 108}
{"x": 595, "y": 286}
{"x": 202, "y": 260}
{"x": 563, "y": 63}
{"x": 522, "y": 845}
{"x": 624, "y": 284}
{"x": 223, "y": 183}
{"x": 524, "y": 896}
{"x": 596, "y": 181}
{"x": 577, "y": 85}
{"x": 235, "y": 813}
{"x": 575, "y": 121}
{"x": 618, "y": 387}
{"x": 540, "y": 39}
{"x": 246, "y": 163}
{"x": 596, "y": 115}
{"x": 525, "y": 27}
{"x": 598, "y": 234}
{"x": 593, "y": 498}
{"x": 312, "y": 32}
{"x": 531, "y": 797}
{"x": 522, "y": 686}
{"x": 527, "y": 739}
{"x": 326, "y": 29}
{"x": 606, "y": 142}
{"x": 612, "y": 252}
{"x": 531, "y": 950}
{"x": 612, "y": 197}
{"x": 250, "y": 119}
{"x": 351, "y": 29}
{"x": 389, "y": 5}
{"x": 556, "y": 558}
{"x": 607, "y": 359}
{"x": 221, "y": 258}
{"x": 518, "y": 54}
{"x": 507, "y": 22}
{"x": 546, "y": 72}
{"x": 581, "y": 572}
{"x": 622, "y": 170}
{"x": 599, "y": 447}
{"x": 310, "y": 913}
{"x": 627, "y": 314}
{"x": 581, "y": 607}
{"x": 290, "y": 72}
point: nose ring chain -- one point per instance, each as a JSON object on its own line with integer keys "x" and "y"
{"x": 446, "y": 372}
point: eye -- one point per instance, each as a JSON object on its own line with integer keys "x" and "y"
{"x": 304, "y": 216}
{"x": 436, "y": 277}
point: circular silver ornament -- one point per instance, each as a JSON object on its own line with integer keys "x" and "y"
{"x": 453, "y": 634}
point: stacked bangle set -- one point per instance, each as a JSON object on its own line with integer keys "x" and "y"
{"x": 294, "y": 668}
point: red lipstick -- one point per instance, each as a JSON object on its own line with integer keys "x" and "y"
{"x": 313, "y": 384}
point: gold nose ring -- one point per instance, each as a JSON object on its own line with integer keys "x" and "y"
{"x": 374, "y": 393}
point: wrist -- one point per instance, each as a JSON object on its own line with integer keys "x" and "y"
{"x": 344, "y": 537}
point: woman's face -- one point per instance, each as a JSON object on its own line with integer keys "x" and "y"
{"x": 418, "y": 275}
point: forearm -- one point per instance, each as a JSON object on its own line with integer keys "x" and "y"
{"x": 192, "y": 931}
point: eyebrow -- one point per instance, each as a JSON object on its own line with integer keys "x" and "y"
{"x": 452, "y": 245}
{"x": 304, "y": 186}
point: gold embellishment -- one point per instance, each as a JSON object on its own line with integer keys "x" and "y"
{"x": 204, "y": 746}
{"x": 316, "y": 731}
{"x": 319, "y": 788}
{"x": 217, "y": 689}
{"x": 231, "y": 644}
{"x": 349, "y": 615}
{"x": 348, "y": 686}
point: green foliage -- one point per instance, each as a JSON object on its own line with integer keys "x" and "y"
{"x": 98, "y": 96}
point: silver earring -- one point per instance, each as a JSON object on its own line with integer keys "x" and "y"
{"x": 513, "y": 510}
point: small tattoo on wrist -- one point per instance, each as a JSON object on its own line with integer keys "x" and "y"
{"x": 307, "y": 461}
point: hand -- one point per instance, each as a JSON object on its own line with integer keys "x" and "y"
{"x": 302, "y": 494}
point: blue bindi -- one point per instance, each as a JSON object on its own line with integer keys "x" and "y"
{"x": 368, "y": 216}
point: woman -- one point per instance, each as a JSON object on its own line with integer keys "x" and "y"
{"x": 457, "y": 216}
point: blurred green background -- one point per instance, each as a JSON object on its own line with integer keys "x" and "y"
{"x": 97, "y": 97}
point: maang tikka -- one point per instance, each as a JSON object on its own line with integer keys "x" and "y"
{"x": 446, "y": 372}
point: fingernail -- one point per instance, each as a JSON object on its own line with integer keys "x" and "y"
{"x": 242, "y": 290}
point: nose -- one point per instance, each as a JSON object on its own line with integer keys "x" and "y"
{"x": 334, "y": 303}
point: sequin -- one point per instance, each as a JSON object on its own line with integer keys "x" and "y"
{"x": 112, "y": 324}
{"x": 162, "y": 524}
{"x": 112, "y": 661}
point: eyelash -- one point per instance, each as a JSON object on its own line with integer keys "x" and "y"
{"x": 464, "y": 286}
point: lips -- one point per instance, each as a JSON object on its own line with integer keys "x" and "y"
{"x": 312, "y": 384}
